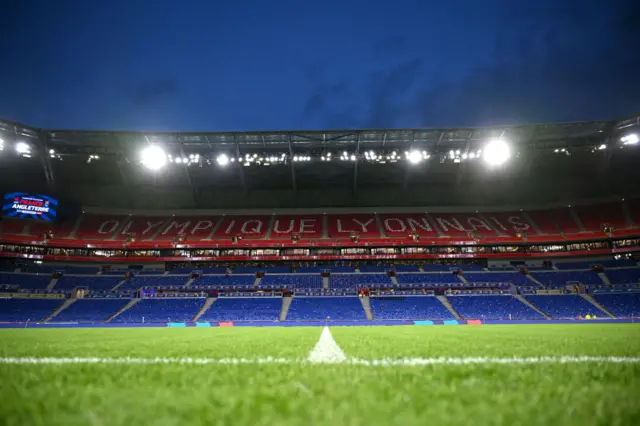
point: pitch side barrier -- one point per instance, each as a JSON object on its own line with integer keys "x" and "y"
{"x": 314, "y": 323}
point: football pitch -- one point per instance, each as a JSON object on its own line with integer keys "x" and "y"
{"x": 582, "y": 374}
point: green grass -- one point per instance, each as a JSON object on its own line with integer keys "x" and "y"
{"x": 298, "y": 394}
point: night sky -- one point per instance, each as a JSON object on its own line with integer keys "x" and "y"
{"x": 303, "y": 64}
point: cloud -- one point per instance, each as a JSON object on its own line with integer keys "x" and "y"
{"x": 150, "y": 92}
{"x": 378, "y": 100}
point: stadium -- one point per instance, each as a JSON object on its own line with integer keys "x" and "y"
{"x": 388, "y": 276}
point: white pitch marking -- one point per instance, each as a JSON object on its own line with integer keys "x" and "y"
{"x": 326, "y": 350}
{"x": 387, "y": 362}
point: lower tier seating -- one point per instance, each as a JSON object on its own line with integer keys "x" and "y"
{"x": 22, "y": 310}
{"x": 326, "y": 308}
{"x": 492, "y": 307}
{"x": 620, "y": 305}
{"x": 90, "y": 310}
{"x": 411, "y": 307}
{"x": 244, "y": 309}
{"x": 565, "y": 306}
{"x": 161, "y": 310}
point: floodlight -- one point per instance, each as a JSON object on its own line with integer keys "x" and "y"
{"x": 631, "y": 139}
{"x": 353, "y": 157}
{"x": 496, "y": 152}
{"x": 153, "y": 157}
{"x": 601, "y": 147}
{"x": 1, "y": 145}
{"x": 414, "y": 157}
{"x": 222, "y": 160}
{"x": 23, "y": 148}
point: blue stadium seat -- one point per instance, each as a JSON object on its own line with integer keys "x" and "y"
{"x": 161, "y": 310}
{"x": 26, "y": 281}
{"x": 358, "y": 280}
{"x": 96, "y": 283}
{"x": 492, "y": 308}
{"x": 410, "y": 307}
{"x": 620, "y": 305}
{"x": 90, "y": 310}
{"x": 222, "y": 280}
{"x": 561, "y": 278}
{"x": 564, "y": 306}
{"x": 22, "y": 310}
{"x": 515, "y": 278}
{"x": 439, "y": 278}
{"x": 290, "y": 280}
{"x": 623, "y": 276}
{"x": 244, "y": 309}
{"x": 325, "y": 308}
{"x": 153, "y": 281}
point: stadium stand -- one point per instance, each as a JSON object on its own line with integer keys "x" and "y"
{"x": 433, "y": 278}
{"x": 620, "y": 305}
{"x": 96, "y": 282}
{"x": 222, "y": 280}
{"x": 244, "y": 309}
{"x": 410, "y": 307}
{"x": 161, "y": 310}
{"x": 562, "y": 278}
{"x": 293, "y": 280}
{"x": 492, "y": 307}
{"x": 589, "y": 264}
{"x": 564, "y": 306}
{"x": 152, "y": 281}
{"x": 623, "y": 276}
{"x": 26, "y": 281}
{"x": 515, "y": 277}
{"x": 325, "y": 308}
{"x": 358, "y": 280}
{"x": 22, "y": 310}
{"x": 90, "y": 310}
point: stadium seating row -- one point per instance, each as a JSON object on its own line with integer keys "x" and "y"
{"x": 317, "y": 308}
{"x": 551, "y": 279}
{"x": 194, "y": 228}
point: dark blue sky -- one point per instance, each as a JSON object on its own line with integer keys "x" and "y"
{"x": 276, "y": 64}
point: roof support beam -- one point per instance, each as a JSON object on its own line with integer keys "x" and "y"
{"x": 43, "y": 138}
{"x": 240, "y": 166}
{"x": 355, "y": 168}
{"x": 293, "y": 168}
{"x": 128, "y": 189}
{"x": 187, "y": 168}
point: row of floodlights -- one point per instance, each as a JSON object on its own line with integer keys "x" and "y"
{"x": 495, "y": 153}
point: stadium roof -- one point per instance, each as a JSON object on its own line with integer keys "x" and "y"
{"x": 59, "y": 157}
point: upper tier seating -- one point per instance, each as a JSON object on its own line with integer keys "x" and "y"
{"x": 26, "y": 281}
{"x": 515, "y": 278}
{"x": 329, "y": 268}
{"x": 291, "y": 280}
{"x": 623, "y": 276}
{"x": 561, "y": 278}
{"x": 358, "y": 280}
{"x": 620, "y": 305}
{"x": 187, "y": 271}
{"x": 432, "y": 278}
{"x": 150, "y": 281}
{"x": 23, "y": 310}
{"x": 266, "y": 269}
{"x": 161, "y": 310}
{"x": 492, "y": 308}
{"x": 244, "y": 309}
{"x": 222, "y": 280}
{"x": 564, "y": 306}
{"x": 90, "y": 310}
{"x": 96, "y": 282}
{"x": 590, "y": 264}
{"x": 325, "y": 308}
{"x": 411, "y": 307}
